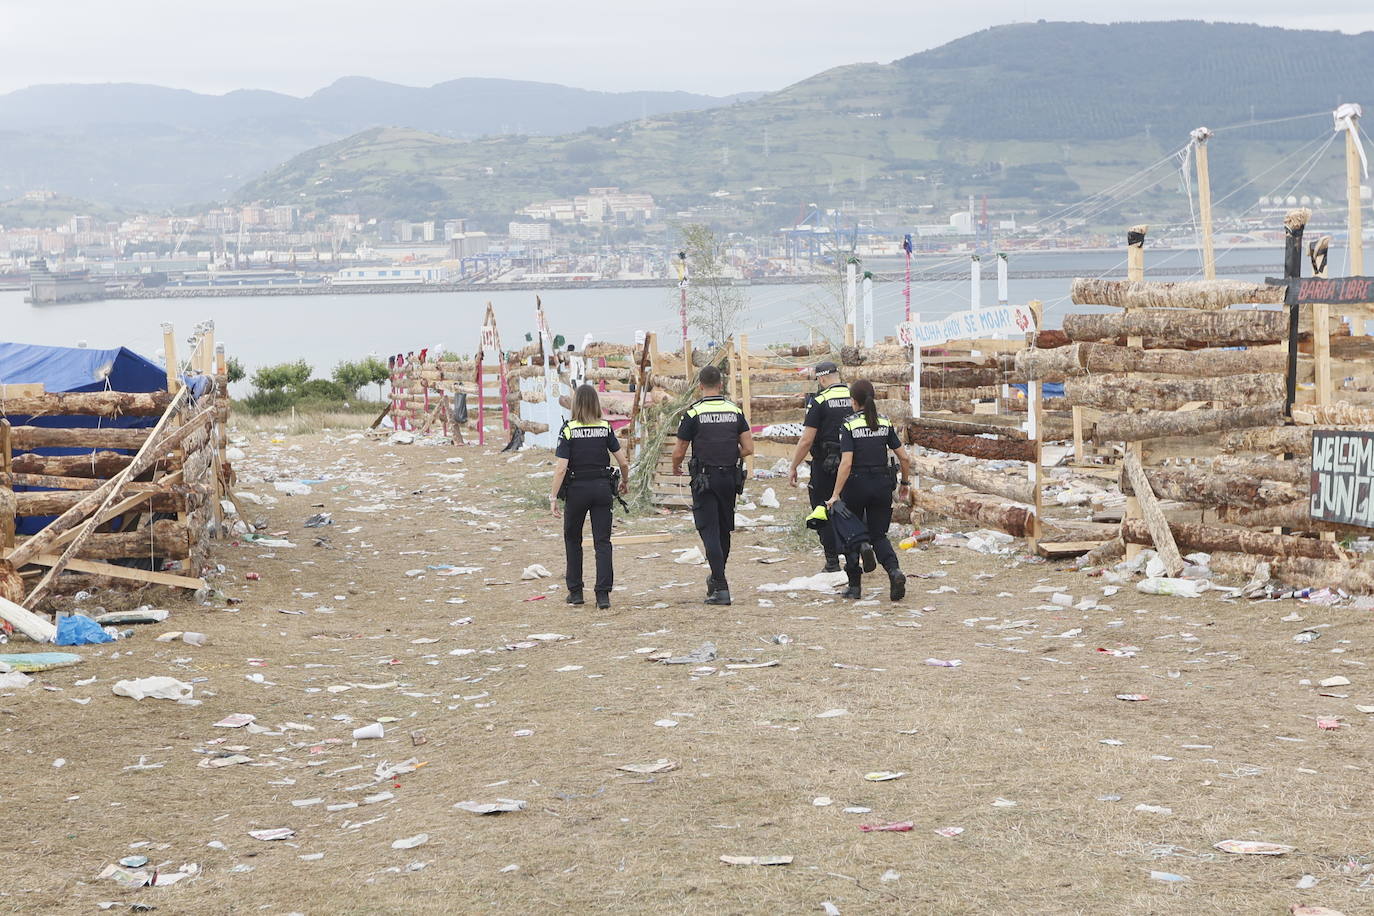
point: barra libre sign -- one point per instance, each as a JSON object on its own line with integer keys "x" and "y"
{"x": 1336, "y": 290}
{"x": 1343, "y": 477}
{"x": 993, "y": 322}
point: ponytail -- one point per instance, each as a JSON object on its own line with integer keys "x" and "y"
{"x": 866, "y": 401}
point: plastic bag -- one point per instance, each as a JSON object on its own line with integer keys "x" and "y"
{"x": 157, "y": 688}
{"x": 1178, "y": 588}
{"x": 76, "y": 630}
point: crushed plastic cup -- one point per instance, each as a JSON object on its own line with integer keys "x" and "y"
{"x": 368, "y": 731}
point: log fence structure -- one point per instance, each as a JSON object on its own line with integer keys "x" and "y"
{"x": 1208, "y": 392}
{"x": 137, "y": 506}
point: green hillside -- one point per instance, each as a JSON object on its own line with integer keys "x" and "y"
{"x": 1033, "y": 115}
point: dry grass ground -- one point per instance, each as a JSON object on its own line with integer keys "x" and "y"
{"x": 1023, "y": 719}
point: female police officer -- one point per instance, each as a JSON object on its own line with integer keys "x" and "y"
{"x": 865, "y": 483}
{"x": 585, "y": 446}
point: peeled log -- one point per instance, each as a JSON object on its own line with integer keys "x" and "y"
{"x": 1158, "y": 424}
{"x": 1355, "y": 577}
{"x": 1294, "y": 440}
{"x": 529, "y": 426}
{"x": 1152, "y": 516}
{"x": 1298, "y": 473}
{"x": 1017, "y": 489}
{"x": 54, "y": 502}
{"x": 1213, "y": 539}
{"x": 1204, "y": 295}
{"x": 168, "y": 539}
{"x": 96, "y": 464}
{"x": 969, "y": 428}
{"x": 1214, "y": 488}
{"x": 1341, "y": 414}
{"x": 959, "y": 378}
{"x": 986, "y": 511}
{"x": 1295, "y": 515}
{"x": 882, "y": 353}
{"x": 973, "y": 446}
{"x": 1230, "y": 328}
{"x": 1088, "y": 358}
{"x": 88, "y": 403}
{"x": 898, "y": 374}
{"x": 26, "y": 438}
{"x": 1121, "y": 393}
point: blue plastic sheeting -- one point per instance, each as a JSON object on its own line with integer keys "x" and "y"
{"x": 1047, "y": 389}
{"x": 61, "y": 369}
{"x": 79, "y": 369}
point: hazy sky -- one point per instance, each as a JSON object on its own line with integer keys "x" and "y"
{"x": 715, "y": 46}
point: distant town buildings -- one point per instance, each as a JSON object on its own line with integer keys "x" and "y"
{"x": 530, "y": 232}
{"x": 598, "y": 205}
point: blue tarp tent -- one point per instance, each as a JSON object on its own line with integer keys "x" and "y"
{"x": 77, "y": 369}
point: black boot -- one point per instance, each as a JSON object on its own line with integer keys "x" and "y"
{"x": 866, "y": 556}
{"x": 575, "y": 597}
{"x": 832, "y": 564}
{"x": 897, "y": 584}
{"x": 710, "y": 587}
{"x": 854, "y": 590}
{"x": 720, "y": 596}
{"x": 603, "y": 600}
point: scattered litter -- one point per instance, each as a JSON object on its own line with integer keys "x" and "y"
{"x": 157, "y": 688}
{"x": 76, "y": 630}
{"x": 944, "y": 663}
{"x": 883, "y": 776}
{"x": 756, "y": 860}
{"x": 690, "y": 556}
{"x": 1253, "y": 848}
{"x": 666, "y": 723}
{"x": 949, "y": 831}
{"x": 706, "y": 652}
{"x": 1154, "y": 809}
{"x": 12, "y": 679}
{"x": 1132, "y": 697}
{"x": 899, "y": 827}
{"x": 822, "y": 801}
{"x": 535, "y": 572}
{"x": 740, "y": 666}
{"x": 1177, "y": 588}
{"x": 236, "y": 720}
{"x": 1168, "y": 876}
{"x": 832, "y": 713}
{"x": 820, "y": 582}
{"x": 275, "y": 833}
{"x": 500, "y": 806}
{"x": 367, "y": 732}
{"x": 662, "y": 765}
{"x": 411, "y": 842}
{"x": 1337, "y": 681}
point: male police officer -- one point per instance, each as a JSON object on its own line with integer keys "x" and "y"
{"x": 826, "y": 411}
{"x": 720, "y": 438}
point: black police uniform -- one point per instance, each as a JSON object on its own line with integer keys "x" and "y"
{"x": 588, "y": 447}
{"x": 868, "y": 491}
{"x": 713, "y": 425}
{"x": 826, "y": 412}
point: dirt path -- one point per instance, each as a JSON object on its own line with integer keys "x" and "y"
{"x": 1009, "y": 746}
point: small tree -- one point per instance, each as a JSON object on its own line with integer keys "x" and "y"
{"x": 351, "y": 376}
{"x": 378, "y": 373}
{"x": 282, "y": 375}
{"x": 714, "y": 306}
{"x": 234, "y": 369}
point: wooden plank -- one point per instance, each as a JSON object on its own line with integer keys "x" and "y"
{"x": 1066, "y": 548}
{"x": 1151, "y": 514}
{"x": 119, "y": 572}
{"x": 22, "y": 390}
{"x": 27, "y": 622}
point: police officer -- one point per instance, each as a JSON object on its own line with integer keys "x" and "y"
{"x": 583, "y": 478}
{"x": 865, "y": 483}
{"x": 826, "y": 411}
{"x": 720, "y": 437}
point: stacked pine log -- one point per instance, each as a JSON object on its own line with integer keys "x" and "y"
{"x": 423, "y": 390}
{"x": 136, "y": 503}
{"x": 1219, "y": 467}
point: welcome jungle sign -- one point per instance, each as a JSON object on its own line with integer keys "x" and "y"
{"x": 1343, "y": 477}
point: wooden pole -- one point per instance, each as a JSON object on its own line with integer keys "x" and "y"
{"x": 1135, "y": 272}
{"x": 1204, "y": 196}
{"x": 1354, "y": 223}
{"x": 1321, "y": 325}
{"x": 1293, "y": 225}
{"x": 688, "y": 373}
{"x": 851, "y": 301}
{"x": 169, "y": 352}
{"x": 1152, "y": 515}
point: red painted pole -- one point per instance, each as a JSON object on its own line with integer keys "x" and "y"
{"x": 481, "y": 403}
